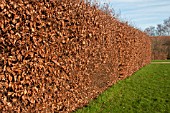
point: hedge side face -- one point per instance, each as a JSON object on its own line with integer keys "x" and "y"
{"x": 57, "y": 55}
{"x": 160, "y": 47}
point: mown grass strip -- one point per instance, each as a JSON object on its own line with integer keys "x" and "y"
{"x": 146, "y": 91}
{"x": 160, "y": 60}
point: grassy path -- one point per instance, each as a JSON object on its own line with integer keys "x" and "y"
{"x": 146, "y": 91}
{"x": 160, "y": 62}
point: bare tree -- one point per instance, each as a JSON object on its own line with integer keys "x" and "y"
{"x": 106, "y": 8}
{"x": 150, "y": 31}
{"x": 160, "y": 29}
{"x": 167, "y": 26}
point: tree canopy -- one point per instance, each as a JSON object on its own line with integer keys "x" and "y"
{"x": 160, "y": 29}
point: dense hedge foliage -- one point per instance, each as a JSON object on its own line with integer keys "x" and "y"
{"x": 57, "y": 55}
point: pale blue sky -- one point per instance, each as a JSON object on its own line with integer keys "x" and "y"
{"x": 142, "y": 13}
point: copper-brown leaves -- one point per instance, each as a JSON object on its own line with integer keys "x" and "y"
{"x": 55, "y": 56}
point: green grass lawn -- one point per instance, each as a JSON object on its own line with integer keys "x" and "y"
{"x": 146, "y": 91}
{"x": 160, "y": 60}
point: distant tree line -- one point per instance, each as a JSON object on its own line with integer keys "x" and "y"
{"x": 160, "y": 37}
{"x": 160, "y": 29}
{"x": 160, "y": 47}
